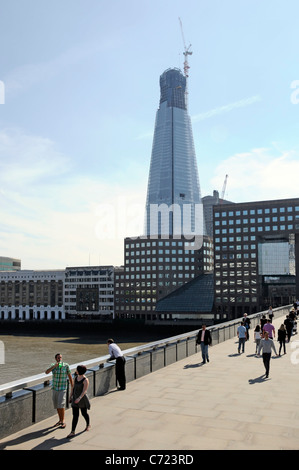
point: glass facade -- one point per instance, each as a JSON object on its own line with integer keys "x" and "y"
{"x": 173, "y": 204}
{"x": 275, "y": 258}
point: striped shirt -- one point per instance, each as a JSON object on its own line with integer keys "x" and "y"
{"x": 60, "y": 374}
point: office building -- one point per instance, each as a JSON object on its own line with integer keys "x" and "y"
{"x": 256, "y": 256}
{"x": 31, "y": 295}
{"x": 208, "y": 203}
{"x": 89, "y": 292}
{"x": 153, "y": 269}
{"x": 9, "y": 264}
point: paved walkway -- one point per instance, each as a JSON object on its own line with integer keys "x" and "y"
{"x": 226, "y": 404}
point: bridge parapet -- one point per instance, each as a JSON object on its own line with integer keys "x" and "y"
{"x": 29, "y": 400}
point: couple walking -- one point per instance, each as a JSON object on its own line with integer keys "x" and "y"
{"x": 78, "y": 396}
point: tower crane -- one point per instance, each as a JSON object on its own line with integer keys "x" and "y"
{"x": 186, "y": 64}
{"x": 223, "y": 189}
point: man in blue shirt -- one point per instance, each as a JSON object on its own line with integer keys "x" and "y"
{"x": 242, "y": 335}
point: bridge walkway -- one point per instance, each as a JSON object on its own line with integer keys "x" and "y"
{"x": 226, "y": 404}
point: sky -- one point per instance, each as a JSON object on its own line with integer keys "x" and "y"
{"x": 79, "y": 91}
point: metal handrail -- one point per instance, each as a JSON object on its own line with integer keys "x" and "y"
{"x": 20, "y": 384}
{"x": 41, "y": 378}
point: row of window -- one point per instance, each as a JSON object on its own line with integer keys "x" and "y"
{"x": 235, "y": 247}
{"x": 151, "y": 276}
{"x": 272, "y": 210}
{"x": 266, "y": 228}
{"x": 161, "y": 260}
{"x": 161, "y": 267}
{"x": 259, "y": 220}
{"x": 231, "y": 256}
{"x": 159, "y": 243}
{"x": 239, "y": 299}
{"x": 244, "y": 290}
{"x": 161, "y": 252}
{"x": 243, "y": 273}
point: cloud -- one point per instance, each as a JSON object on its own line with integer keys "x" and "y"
{"x": 260, "y": 174}
{"x": 27, "y": 159}
{"x": 51, "y": 217}
{"x": 227, "y": 108}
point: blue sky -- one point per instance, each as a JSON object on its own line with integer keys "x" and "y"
{"x": 81, "y": 82}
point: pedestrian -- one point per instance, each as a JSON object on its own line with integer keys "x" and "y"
{"x": 269, "y": 328}
{"x": 257, "y": 337}
{"x": 289, "y": 327}
{"x": 270, "y": 313}
{"x": 79, "y": 399}
{"x": 116, "y": 353}
{"x": 281, "y": 337}
{"x": 242, "y": 335}
{"x": 61, "y": 373}
{"x": 267, "y": 345}
{"x": 292, "y": 314}
{"x": 205, "y": 340}
{"x": 247, "y": 322}
{"x": 263, "y": 321}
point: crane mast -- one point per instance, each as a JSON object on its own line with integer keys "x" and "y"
{"x": 223, "y": 189}
{"x": 186, "y": 63}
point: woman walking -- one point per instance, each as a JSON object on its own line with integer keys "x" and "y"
{"x": 282, "y": 333}
{"x": 257, "y": 337}
{"x": 79, "y": 399}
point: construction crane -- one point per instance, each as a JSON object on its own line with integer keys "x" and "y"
{"x": 223, "y": 189}
{"x": 186, "y": 64}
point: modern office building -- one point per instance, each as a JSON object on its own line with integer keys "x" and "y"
{"x": 173, "y": 205}
{"x": 153, "y": 269}
{"x": 89, "y": 292}
{"x": 9, "y": 264}
{"x": 208, "y": 204}
{"x": 256, "y": 256}
{"x": 32, "y": 295}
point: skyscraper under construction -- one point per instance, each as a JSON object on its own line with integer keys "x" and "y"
{"x": 173, "y": 205}
{"x": 174, "y": 250}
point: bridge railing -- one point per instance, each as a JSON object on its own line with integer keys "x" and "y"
{"x": 29, "y": 400}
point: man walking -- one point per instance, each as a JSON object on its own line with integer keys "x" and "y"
{"x": 242, "y": 335}
{"x": 116, "y": 353}
{"x": 266, "y": 345}
{"x": 246, "y": 321}
{"x": 269, "y": 328}
{"x": 61, "y": 372}
{"x": 205, "y": 340}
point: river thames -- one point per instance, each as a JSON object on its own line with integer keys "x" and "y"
{"x": 31, "y": 353}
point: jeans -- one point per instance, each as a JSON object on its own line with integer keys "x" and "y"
{"x": 282, "y": 343}
{"x": 266, "y": 361}
{"x": 241, "y": 343}
{"x": 204, "y": 351}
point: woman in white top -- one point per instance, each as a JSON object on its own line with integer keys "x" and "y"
{"x": 257, "y": 337}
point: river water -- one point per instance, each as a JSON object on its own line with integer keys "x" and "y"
{"x": 27, "y": 354}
